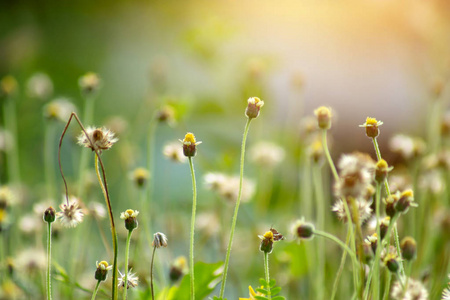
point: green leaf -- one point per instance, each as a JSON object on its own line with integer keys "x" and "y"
{"x": 261, "y": 290}
{"x": 275, "y": 290}
{"x": 272, "y": 282}
{"x": 261, "y": 298}
{"x": 263, "y": 282}
{"x": 278, "y": 298}
{"x": 207, "y": 276}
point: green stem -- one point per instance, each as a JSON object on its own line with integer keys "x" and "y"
{"x": 341, "y": 267}
{"x": 127, "y": 250}
{"x": 87, "y": 119}
{"x": 337, "y": 241}
{"x": 49, "y": 261}
{"x": 327, "y": 154}
{"x": 387, "y": 286}
{"x": 266, "y": 271}
{"x": 95, "y": 290}
{"x": 150, "y": 157}
{"x": 151, "y": 274}
{"x": 191, "y": 249}
{"x": 49, "y": 155}
{"x": 113, "y": 229}
{"x": 320, "y": 217}
{"x": 13, "y": 153}
{"x": 236, "y": 209}
{"x": 352, "y": 242}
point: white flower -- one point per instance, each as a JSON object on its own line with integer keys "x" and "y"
{"x": 266, "y": 154}
{"x": 30, "y": 260}
{"x": 414, "y": 291}
{"x": 39, "y": 86}
{"x": 363, "y": 208}
{"x": 101, "y": 139}
{"x": 70, "y": 215}
{"x": 132, "y": 280}
{"x": 97, "y": 210}
{"x": 129, "y": 213}
{"x": 59, "y": 109}
{"x": 173, "y": 152}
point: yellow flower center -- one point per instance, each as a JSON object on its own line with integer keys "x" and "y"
{"x": 371, "y": 121}
{"x": 189, "y": 137}
{"x": 407, "y": 193}
{"x": 268, "y": 235}
{"x": 382, "y": 164}
{"x": 129, "y": 212}
{"x": 103, "y": 265}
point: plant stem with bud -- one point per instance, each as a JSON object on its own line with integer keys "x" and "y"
{"x": 151, "y": 274}
{"x": 95, "y": 290}
{"x": 266, "y": 273}
{"x": 236, "y": 209}
{"x": 191, "y": 249}
{"x": 49, "y": 260}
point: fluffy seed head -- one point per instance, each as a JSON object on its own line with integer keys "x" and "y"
{"x": 70, "y": 215}
{"x": 131, "y": 278}
{"x": 364, "y": 210}
{"x": 101, "y": 139}
{"x": 414, "y": 291}
{"x": 58, "y": 109}
{"x": 39, "y": 86}
{"x": 173, "y": 152}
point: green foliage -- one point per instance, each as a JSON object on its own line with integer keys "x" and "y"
{"x": 206, "y": 279}
{"x": 264, "y": 290}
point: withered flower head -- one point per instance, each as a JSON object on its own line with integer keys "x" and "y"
{"x": 101, "y": 138}
{"x": 159, "y": 240}
{"x": 70, "y": 215}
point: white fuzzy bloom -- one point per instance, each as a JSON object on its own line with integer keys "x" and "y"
{"x": 30, "y": 223}
{"x": 39, "y": 86}
{"x": 159, "y": 240}
{"x": 101, "y": 138}
{"x": 363, "y": 208}
{"x": 174, "y": 152}
{"x": 228, "y": 186}
{"x": 132, "y": 279}
{"x": 97, "y": 210}
{"x": 266, "y": 154}
{"x": 70, "y": 215}
{"x": 414, "y": 291}
{"x": 59, "y": 109}
{"x": 402, "y": 145}
{"x": 30, "y": 260}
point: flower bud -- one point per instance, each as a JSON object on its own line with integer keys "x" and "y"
{"x": 254, "y": 105}
{"x": 371, "y": 126}
{"x": 50, "y": 215}
{"x": 303, "y": 230}
{"x": 89, "y": 83}
{"x": 391, "y": 200}
{"x": 372, "y": 241}
{"x": 266, "y": 245}
{"x": 166, "y": 114}
{"x": 381, "y": 171}
{"x": 323, "y": 115}
{"x": 140, "y": 176}
{"x": 178, "y": 268}
{"x": 404, "y": 202}
{"x": 409, "y": 248}
{"x": 391, "y": 262}
{"x": 102, "y": 270}
{"x": 189, "y": 145}
{"x": 129, "y": 216}
{"x": 384, "y": 225}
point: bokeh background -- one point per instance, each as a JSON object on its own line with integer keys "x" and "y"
{"x": 362, "y": 58}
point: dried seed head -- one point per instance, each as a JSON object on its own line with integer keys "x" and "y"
{"x": 190, "y": 145}
{"x": 414, "y": 291}
{"x": 323, "y": 115}
{"x": 266, "y": 154}
{"x": 129, "y": 216}
{"x": 364, "y": 210}
{"x": 381, "y": 171}
{"x": 101, "y": 138}
{"x": 89, "y": 83}
{"x": 371, "y": 126}
{"x": 159, "y": 240}
{"x": 50, "y": 215}
{"x": 70, "y": 215}
{"x": 8, "y": 86}
{"x": 409, "y": 248}
{"x": 303, "y": 230}
{"x": 140, "y": 176}
{"x": 131, "y": 278}
{"x": 102, "y": 270}
{"x": 254, "y": 105}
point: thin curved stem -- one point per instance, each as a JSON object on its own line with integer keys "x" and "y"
{"x": 191, "y": 249}
{"x": 266, "y": 273}
{"x": 341, "y": 268}
{"x": 236, "y": 209}
{"x": 94, "y": 294}
{"x": 327, "y": 154}
{"x": 49, "y": 261}
{"x": 151, "y": 274}
{"x": 337, "y": 241}
{"x": 127, "y": 250}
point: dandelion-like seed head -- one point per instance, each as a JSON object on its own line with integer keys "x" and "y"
{"x": 323, "y": 115}
{"x": 190, "y": 145}
{"x": 363, "y": 206}
{"x": 132, "y": 279}
{"x": 254, "y": 105}
{"x": 102, "y": 270}
{"x": 266, "y": 154}
{"x": 70, "y": 215}
{"x": 129, "y": 216}
{"x": 414, "y": 290}
{"x": 159, "y": 240}
{"x": 99, "y": 139}
{"x": 356, "y": 174}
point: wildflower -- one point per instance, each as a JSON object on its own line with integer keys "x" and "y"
{"x": 409, "y": 248}
{"x": 390, "y": 202}
{"x": 131, "y": 278}
{"x": 355, "y": 174}
{"x": 407, "y": 147}
{"x": 308, "y": 127}
{"x": 59, "y": 109}
{"x": 190, "y": 145}
{"x": 117, "y": 124}
{"x": 371, "y": 126}
{"x": 8, "y": 86}
{"x": 381, "y": 171}
{"x": 254, "y": 105}
{"x": 159, "y": 240}
{"x": 303, "y": 230}
{"x": 97, "y": 210}
{"x": 97, "y": 139}
{"x": 384, "y": 225}
{"x": 414, "y": 290}
{"x": 391, "y": 261}
{"x": 102, "y": 270}
{"x": 323, "y": 115}
{"x": 39, "y": 86}
{"x": 252, "y": 294}
{"x": 173, "y": 152}
{"x": 89, "y": 83}
{"x": 166, "y": 114}
{"x": 399, "y": 182}
{"x": 405, "y": 201}
{"x": 140, "y": 176}
{"x": 129, "y": 216}
{"x": 372, "y": 241}
{"x": 432, "y": 181}
{"x": 178, "y": 268}
{"x": 30, "y": 260}
{"x": 70, "y": 215}
{"x": 228, "y": 186}
{"x": 364, "y": 210}
{"x": 266, "y": 154}
{"x": 208, "y": 222}
{"x": 268, "y": 239}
